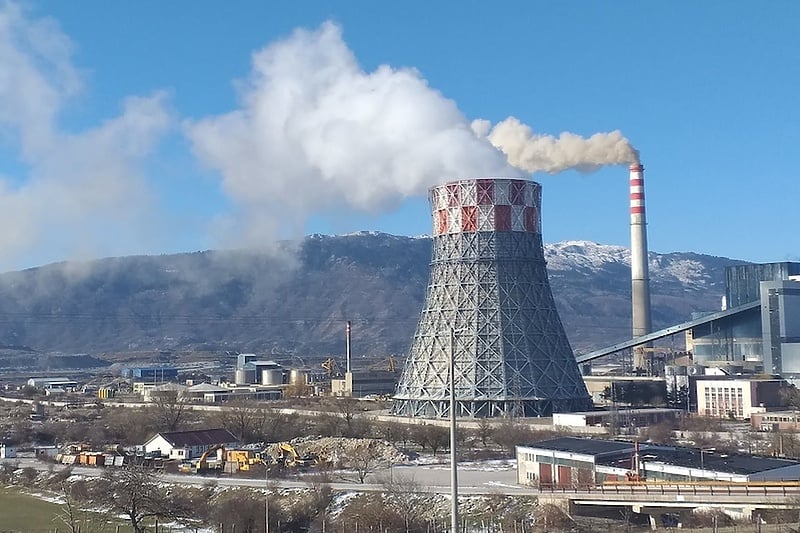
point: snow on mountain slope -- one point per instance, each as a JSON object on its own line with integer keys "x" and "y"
{"x": 688, "y": 269}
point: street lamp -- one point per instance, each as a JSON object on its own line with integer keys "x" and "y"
{"x": 266, "y": 496}
{"x": 702, "y": 456}
{"x": 453, "y": 462}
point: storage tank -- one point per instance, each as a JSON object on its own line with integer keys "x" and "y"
{"x": 272, "y": 376}
{"x": 297, "y": 375}
{"x": 245, "y": 376}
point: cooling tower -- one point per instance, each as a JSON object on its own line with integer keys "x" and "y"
{"x": 488, "y": 286}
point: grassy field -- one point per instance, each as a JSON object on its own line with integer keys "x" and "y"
{"x": 20, "y": 512}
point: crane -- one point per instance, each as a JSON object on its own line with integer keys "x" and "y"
{"x": 331, "y": 367}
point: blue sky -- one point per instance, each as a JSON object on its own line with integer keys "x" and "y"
{"x": 706, "y": 91}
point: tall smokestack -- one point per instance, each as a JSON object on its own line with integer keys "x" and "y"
{"x": 347, "y": 336}
{"x": 640, "y": 275}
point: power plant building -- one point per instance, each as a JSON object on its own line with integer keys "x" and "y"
{"x": 766, "y": 332}
{"x": 757, "y": 331}
{"x": 489, "y": 307}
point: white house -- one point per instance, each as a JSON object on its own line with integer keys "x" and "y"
{"x": 189, "y": 444}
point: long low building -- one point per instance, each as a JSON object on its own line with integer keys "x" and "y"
{"x": 574, "y": 462}
{"x": 623, "y": 417}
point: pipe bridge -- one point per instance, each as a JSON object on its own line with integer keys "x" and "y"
{"x": 666, "y": 332}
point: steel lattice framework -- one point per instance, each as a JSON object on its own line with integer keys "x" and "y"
{"x": 489, "y": 287}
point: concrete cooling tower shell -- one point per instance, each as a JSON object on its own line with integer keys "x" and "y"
{"x": 488, "y": 285}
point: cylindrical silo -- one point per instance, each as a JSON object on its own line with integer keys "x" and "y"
{"x": 245, "y": 376}
{"x": 272, "y": 376}
{"x": 488, "y": 286}
{"x": 297, "y": 375}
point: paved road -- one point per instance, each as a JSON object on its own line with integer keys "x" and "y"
{"x": 474, "y": 478}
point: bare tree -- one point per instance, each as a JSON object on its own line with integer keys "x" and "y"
{"x": 137, "y": 494}
{"x": 364, "y": 458}
{"x": 510, "y": 434}
{"x": 438, "y": 437}
{"x": 430, "y": 436}
{"x": 484, "y": 430}
{"x": 394, "y": 432}
{"x": 241, "y": 510}
{"x": 169, "y": 409}
{"x": 76, "y": 519}
{"x": 349, "y": 410}
{"x": 403, "y": 495}
{"x": 243, "y": 418}
{"x": 297, "y": 389}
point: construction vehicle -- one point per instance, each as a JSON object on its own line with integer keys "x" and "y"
{"x": 204, "y": 465}
{"x": 242, "y": 460}
{"x": 288, "y": 456}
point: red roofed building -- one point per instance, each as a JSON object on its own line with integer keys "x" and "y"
{"x": 189, "y": 444}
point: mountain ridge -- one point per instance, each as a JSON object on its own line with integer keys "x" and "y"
{"x": 295, "y": 298}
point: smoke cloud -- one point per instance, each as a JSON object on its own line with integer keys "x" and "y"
{"x": 534, "y": 152}
{"x": 315, "y": 132}
{"x": 70, "y": 193}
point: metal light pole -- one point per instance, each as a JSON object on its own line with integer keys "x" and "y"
{"x": 266, "y": 496}
{"x": 453, "y": 469}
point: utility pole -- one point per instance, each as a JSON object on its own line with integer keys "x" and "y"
{"x": 453, "y": 457}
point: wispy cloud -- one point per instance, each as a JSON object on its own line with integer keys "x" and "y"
{"x": 81, "y": 192}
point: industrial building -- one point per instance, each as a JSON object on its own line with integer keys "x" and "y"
{"x": 758, "y": 329}
{"x": 573, "y": 462}
{"x": 208, "y": 393}
{"x": 261, "y": 373}
{"x": 151, "y": 374}
{"x": 251, "y": 370}
{"x": 64, "y": 384}
{"x": 620, "y": 417}
{"x": 738, "y": 397}
{"x": 489, "y": 323}
{"x": 364, "y": 383}
{"x": 776, "y": 421}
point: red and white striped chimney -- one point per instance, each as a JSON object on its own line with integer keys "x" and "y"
{"x": 347, "y": 348}
{"x": 640, "y": 275}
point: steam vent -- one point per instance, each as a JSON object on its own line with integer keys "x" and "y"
{"x": 488, "y": 287}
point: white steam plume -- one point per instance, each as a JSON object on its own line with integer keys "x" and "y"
{"x": 78, "y": 193}
{"x": 534, "y": 152}
{"x": 316, "y": 132}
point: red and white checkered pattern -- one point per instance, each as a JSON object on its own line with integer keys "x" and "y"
{"x": 490, "y": 204}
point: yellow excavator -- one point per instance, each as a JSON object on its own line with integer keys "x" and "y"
{"x": 205, "y": 465}
{"x": 288, "y": 456}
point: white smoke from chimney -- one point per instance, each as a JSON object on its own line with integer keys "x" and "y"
{"x": 534, "y": 152}
{"x": 315, "y": 132}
